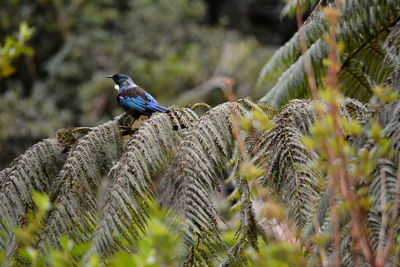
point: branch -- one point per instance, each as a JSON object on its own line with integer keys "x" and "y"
{"x": 201, "y": 90}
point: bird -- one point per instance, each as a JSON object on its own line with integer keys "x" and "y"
{"x": 134, "y": 99}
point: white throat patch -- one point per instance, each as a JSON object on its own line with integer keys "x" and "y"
{"x": 116, "y": 87}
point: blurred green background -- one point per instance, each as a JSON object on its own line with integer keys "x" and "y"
{"x": 56, "y": 63}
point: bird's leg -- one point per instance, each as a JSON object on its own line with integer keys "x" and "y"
{"x": 123, "y": 127}
{"x": 143, "y": 117}
{"x": 125, "y": 122}
{"x": 131, "y": 127}
{"x": 137, "y": 123}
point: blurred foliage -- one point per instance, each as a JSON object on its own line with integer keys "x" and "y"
{"x": 279, "y": 254}
{"x": 158, "y": 248}
{"x": 77, "y": 43}
{"x": 14, "y": 47}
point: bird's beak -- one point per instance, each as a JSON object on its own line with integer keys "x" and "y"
{"x": 110, "y": 76}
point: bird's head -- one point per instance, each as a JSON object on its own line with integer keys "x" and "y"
{"x": 121, "y": 80}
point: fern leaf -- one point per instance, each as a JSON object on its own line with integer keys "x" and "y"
{"x": 36, "y": 170}
{"x": 288, "y": 162}
{"x": 3, "y": 175}
{"x": 288, "y": 54}
{"x": 363, "y": 27}
{"x": 378, "y": 231}
{"x": 291, "y": 6}
{"x": 388, "y": 118}
{"x": 392, "y": 130}
{"x": 392, "y": 44}
{"x": 78, "y": 184}
{"x": 194, "y": 175}
{"x": 290, "y": 166}
{"x": 293, "y": 83}
{"x": 249, "y": 229}
{"x": 124, "y": 209}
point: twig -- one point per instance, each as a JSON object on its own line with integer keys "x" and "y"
{"x": 331, "y": 157}
{"x": 201, "y": 90}
{"x": 358, "y": 232}
{"x": 286, "y": 232}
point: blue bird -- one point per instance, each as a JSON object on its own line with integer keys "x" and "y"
{"x": 133, "y": 99}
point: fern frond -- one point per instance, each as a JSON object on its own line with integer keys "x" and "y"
{"x": 345, "y": 249}
{"x": 388, "y": 119}
{"x": 124, "y": 210}
{"x": 78, "y": 184}
{"x": 3, "y": 175}
{"x": 194, "y": 174}
{"x": 250, "y": 105}
{"x": 287, "y": 161}
{"x": 365, "y": 69}
{"x": 249, "y": 229}
{"x": 36, "y": 170}
{"x": 292, "y": 84}
{"x": 288, "y": 54}
{"x": 290, "y": 8}
{"x": 69, "y": 136}
{"x": 353, "y": 109}
{"x": 375, "y": 189}
{"x": 291, "y": 170}
{"x": 392, "y": 44}
{"x": 392, "y": 128}
{"x": 387, "y": 114}
{"x": 377, "y": 231}
{"x": 363, "y": 27}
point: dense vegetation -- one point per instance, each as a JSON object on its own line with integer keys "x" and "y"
{"x": 311, "y": 168}
{"x": 77, "y": 43}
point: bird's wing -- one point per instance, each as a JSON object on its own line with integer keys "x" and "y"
{"x": 137, "y": 103}
{"x": 137, "y": 98}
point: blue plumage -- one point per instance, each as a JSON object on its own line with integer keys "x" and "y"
{"x": 135, "y": 100}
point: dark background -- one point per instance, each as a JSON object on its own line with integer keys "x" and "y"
{"x": 168, "y": 47}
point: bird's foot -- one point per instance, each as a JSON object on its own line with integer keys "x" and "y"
{"x": 137, "y": 123}
{"x": 123, "y": 126}
{"x": 132, "y": 126}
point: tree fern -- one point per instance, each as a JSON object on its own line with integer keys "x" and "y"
{"x": 76, "y": 192}
{"x": 288, "y": 54}
{"x": 362, "y": 28}
{"x": 381, "y": 185}
{"x": 249, "y": 229}
{"x": 377, "y": 231}
{"x": 287, "y": 161}
{"x": 292, "y": 5}
{"x": 3, "y": 174}
{"x": 36, "y": 170}
{"x": 123, "y": 213}
{"x": 196, "y": 170}
{"x": 375, "y": 191}
{"x": 102, "y": 186}
{"x": 194, "y": 174}
{"x": 291, "y": 169}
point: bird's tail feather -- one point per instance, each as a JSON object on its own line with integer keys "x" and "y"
{"x": 161, "y": 109}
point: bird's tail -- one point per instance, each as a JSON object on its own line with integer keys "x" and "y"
{"x": 161, "y": 109}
